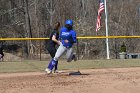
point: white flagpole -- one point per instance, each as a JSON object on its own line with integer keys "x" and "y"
{"x": 106, "y": 21}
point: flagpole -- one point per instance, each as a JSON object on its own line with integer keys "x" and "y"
{"x": 106, "y": 22}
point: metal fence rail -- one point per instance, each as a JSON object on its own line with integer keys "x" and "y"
{"x": 80, "y": 37}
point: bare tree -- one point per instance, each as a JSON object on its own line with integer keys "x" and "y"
{"x": 37, "y": 16}
{"x": 51, "y": 9}
{"x": 28, "y": 27}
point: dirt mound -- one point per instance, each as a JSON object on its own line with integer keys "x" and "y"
{"x": 126, "y": 80}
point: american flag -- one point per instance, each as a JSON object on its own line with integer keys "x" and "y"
{"x": 101, "y": 8}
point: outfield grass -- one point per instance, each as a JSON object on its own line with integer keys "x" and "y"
{"x": 30, "y": 65}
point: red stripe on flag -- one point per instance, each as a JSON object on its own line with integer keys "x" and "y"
{"x": 101, "y": 8}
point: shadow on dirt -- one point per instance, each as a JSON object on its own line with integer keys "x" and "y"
{"x": 74, "y": 73}
{"x": 77, "y": 73}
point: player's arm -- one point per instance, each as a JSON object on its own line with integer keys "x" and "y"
{"x": 60, "y": 35}
{"x": 74, "y": 39}
{"x": 54, "y": 39}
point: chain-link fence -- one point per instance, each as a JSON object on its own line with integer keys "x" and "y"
{"x": 96, "y": 48}
{"x": 18, "y": 50}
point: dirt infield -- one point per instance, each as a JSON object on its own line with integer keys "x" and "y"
{"x": 118, "y": 80}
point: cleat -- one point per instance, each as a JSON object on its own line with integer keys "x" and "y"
{"x": 48, "y": 71}
{"x": 55, "y": 71}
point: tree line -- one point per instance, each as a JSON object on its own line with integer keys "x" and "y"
{"x": 35, "y": 18}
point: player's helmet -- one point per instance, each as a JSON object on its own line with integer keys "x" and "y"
{"x": 69, "y": 22}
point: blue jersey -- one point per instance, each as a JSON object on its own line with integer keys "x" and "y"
{"x": 65, "y": 34}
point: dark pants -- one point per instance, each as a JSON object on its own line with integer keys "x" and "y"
{"x": 52, "y": 51}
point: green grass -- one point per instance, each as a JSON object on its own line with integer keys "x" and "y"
{"x": 30, "y": 65}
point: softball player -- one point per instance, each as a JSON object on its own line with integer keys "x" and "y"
{"x": 1, "y": 52}
{"x": 53, "y": 41}
{"x": 68, "y": 38}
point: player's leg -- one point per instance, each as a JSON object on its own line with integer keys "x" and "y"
{"x": 52, "y": 53}
{"x": 51, "y": 66}
{"x": 54, "y": 61}
{"x": 59, "y": 52}
{"x": 52, "y": 50}
{"x": 70, "y": 55}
